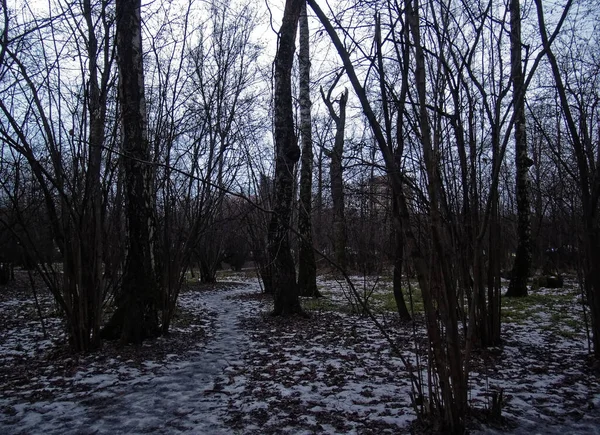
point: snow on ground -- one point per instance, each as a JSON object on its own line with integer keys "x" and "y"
{"x": 168, "y": 393}
{"x": 332, "y": 373}
{"x": 549, "y": 381}
{"x": 229, "y": 367}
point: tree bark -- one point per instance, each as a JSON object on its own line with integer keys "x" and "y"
{"x": 522, "y": 264}
{"x": 336, "y": 175}
{"x": 287, "y": 153}
{"x": 93, "y": 243}
{"x": 136, "y": 317}
{"x": 400, "y": 103}
{"x": 307, "y": 268}
{"x": 449, "y": 360}
{"x": 401, "y": 306}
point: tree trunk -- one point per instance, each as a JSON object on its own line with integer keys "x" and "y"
{"x": 398, "y": 237}
{"x": 522, "y": 264}
{"x": 447, "y": 352}
{"x": 287, "y": 153}
{"x": 336, "y": 175}
{"x": 318, "y": 229}
{"x": 307, "y": 268}
{"x": 136, "y": 317}
{"x": 398, "y": 263}
{"x": 93, "y": 243}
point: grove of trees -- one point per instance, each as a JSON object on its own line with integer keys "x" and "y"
{"x": 450, "y": 142}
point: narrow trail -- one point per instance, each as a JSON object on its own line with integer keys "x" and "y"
{"x": 188, "y": 398}
{"x": 332, "y": 373}
{"x": 182, "y": 397}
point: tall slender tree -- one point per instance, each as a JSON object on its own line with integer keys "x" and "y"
{"x": 136, "y": 317}
{"x": 398, "y": 151}
{"x": 435, "y": 280}
{"x": 336, "y": 169}
{"x": 287, "y": 154}
{"x": 307, "y": 268}
{"x": 522, "y": 264}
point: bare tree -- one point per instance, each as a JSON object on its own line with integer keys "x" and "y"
{"x": 336, "y": 168}
{"x": 136, "y": 317}
{"x": 166, "y": 82}
{"x": 224, "y": 75}
{"x": 307, "y": 268}
{"x": 434, "y": 279}
{"x": 287, "y": 153}
{"x": 400, "y": 102}
{"x": 522, "y": 264}
{"x": 62, "y": 137}
{"x": 588, "y": 164}
{"x": 433, "y": 252}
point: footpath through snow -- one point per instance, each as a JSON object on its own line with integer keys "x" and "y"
{"x": 228, "y": 367}
{"x": 172, "y": 397}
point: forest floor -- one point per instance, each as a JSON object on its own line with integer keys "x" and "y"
{"x": 229, "y": 367}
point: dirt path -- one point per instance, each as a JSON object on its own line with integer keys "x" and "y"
{"x": 331, "y": 373}
{"x": 179, "y": 397}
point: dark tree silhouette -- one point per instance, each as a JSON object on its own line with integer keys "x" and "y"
{"x": 287, "y": 154}
{"x": 136, "y": 317}
{"x": 307, "y": 268}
